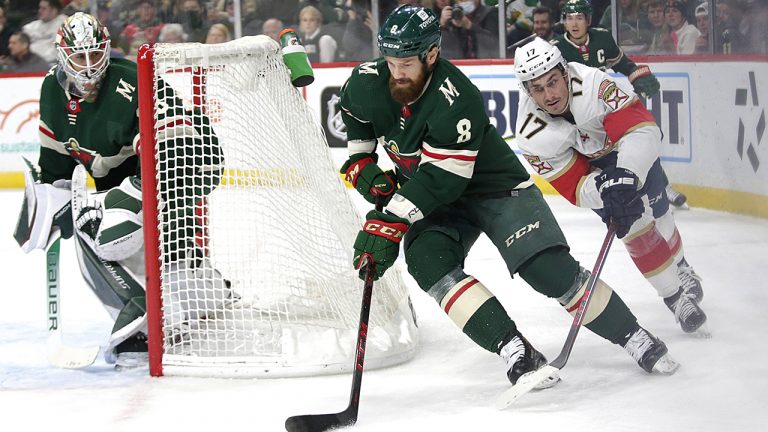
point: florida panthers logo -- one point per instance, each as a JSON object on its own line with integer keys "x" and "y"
{"x": 541, "y": 167}
{"x": 84, "y": 156}
{"x": 612, "y": 95}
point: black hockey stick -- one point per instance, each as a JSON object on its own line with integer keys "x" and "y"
{"x": 348, "y": 417}
{"x": 529, "y": 382}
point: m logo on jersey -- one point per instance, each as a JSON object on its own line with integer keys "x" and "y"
{"x": 85, "y": 156}
{"x": 541, "y": 167}
{"x": 368, "y": 68}
{"x": 449, "y": 91}
{"x": 125, "y": 90}
{"x": 612, "y": 95}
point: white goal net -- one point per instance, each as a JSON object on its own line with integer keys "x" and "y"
{"x": 255, "y": 227}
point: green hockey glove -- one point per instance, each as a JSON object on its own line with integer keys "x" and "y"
{"x": 644, "y": 82}
{"x": 379, "y": 240}
{"x": 363, "y": 173}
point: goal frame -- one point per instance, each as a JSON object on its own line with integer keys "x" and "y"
{"x": 334, "y": 291}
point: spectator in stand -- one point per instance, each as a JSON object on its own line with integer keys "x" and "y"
{"x": 75, "y": 6}
{"x": 485, "y": 23}
{"x": 5, "y": 33}
{"x": 145, "y": 29}
{"x": 520, "y": 19}
{"x": 728, "y": 38}
{"x": 756, "y": 26}
{"x": 172, "y": 33}
{"x": 702, "y": 23}
{"x": 320, "y": 47}
{"x": 272, "y": 28}
{"x": 333, "y": 11}
{"x": 458, "y": 41}
{"x": 193, "y": 17}
{"x": 104, "y": 15}
{"x": 659, "y": 38}
{"x": 42, "y": 32}
{"x": 218, "y": 33}
{"x": 683, "y": 33}
{"x": 632, "y": 22}
{"x": 543, "y": 23}
{"x": 21, "y": 59}
{"x": 357, "y": 33}
{"x": 284, "y": 10}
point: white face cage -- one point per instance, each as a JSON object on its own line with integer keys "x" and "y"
{"x": 84, "y": 66}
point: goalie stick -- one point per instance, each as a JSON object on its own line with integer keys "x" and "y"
{"x": 60, "y": 355}
{"x": 527, "y": 383}
{"x": 348, "y": 417}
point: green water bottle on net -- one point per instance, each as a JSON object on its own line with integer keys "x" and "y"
{"x": 295, "y": 57}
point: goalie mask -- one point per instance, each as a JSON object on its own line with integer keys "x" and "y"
{"x": 83, "y": 46}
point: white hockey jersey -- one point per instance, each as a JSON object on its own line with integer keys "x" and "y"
{"x": 608, "y": 117}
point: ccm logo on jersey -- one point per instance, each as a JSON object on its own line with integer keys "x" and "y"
{"x": 521, "y": 232}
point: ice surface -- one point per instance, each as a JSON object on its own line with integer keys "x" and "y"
{"x": 451, "y": 385}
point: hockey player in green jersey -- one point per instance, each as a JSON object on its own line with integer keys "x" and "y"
{"x": 458, "y": 179}
{"x": 594, "y": 46}
{"x": 89, "y": 123}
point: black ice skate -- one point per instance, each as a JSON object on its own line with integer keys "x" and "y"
{"x": 677, "y": 199}
{"x": 688, "y": 313}
{"x": 132, "y": 352}
{"x": 690, "y": 282}
{"x": 522, "y": 359}
{"x": 650, "y": 353}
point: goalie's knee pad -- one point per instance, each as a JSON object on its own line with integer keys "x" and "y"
{"x": 111, "y": 222}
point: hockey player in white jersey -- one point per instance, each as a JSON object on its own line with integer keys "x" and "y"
{"x": 598, "y": 146}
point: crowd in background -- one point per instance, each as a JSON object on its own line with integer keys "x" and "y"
{"x": 341, "y": 30}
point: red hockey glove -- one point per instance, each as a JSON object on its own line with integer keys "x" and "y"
{"x": 644, "y": 82}
{"x": 379, "y": 240}
{"x": 363, "y": 173}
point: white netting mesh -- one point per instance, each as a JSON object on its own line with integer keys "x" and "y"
{"x": 256, "y": 274}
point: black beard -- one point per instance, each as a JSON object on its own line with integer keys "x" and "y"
{"x": 405, "y": 95}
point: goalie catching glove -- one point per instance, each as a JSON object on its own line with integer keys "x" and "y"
{"x": 370, "y": 180}
{"x": 379, "y": 240}
{"x": 644, "y": 82}
{"x": 622, "y": 205}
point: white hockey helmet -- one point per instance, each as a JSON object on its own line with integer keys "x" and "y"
{"x": 79, "y": 37}
{"x": 536, "y": 58}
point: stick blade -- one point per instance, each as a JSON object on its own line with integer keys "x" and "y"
{"x": 68, "y": 357}
{"x": 318, "y": 422}
{"x": 524, "y": 385}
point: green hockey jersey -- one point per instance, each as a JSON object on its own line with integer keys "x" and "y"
{"x": 442, "y": 144}
{"x": 100, "y": 135}
{"x": 600, "y": 51}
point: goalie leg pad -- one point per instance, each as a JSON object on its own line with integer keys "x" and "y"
{"x": 111, "y": 222}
